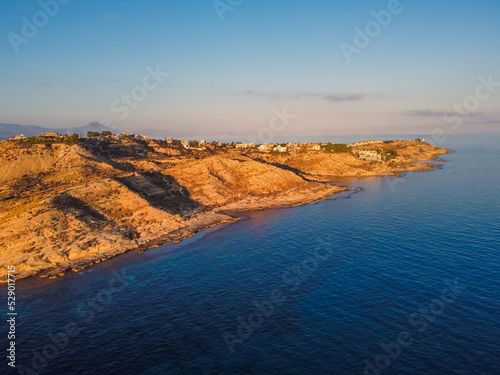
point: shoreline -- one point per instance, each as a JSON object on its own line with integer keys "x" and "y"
{"x": 215, "y": 218}
{"x": 221, "y": 215}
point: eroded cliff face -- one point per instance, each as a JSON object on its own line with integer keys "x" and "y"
{"x": 66, "y": 207}
{"x": 328, "y": 165}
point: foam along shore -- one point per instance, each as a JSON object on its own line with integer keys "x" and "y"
{"x": 66, "y": 207}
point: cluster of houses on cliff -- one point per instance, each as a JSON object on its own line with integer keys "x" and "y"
{"x": 265, "y": 147}
{"x": 364, "y": 143}
{"x": 52, "y": 135}
{"x": 44, "y": 135}
{"x": 371, "y": 155}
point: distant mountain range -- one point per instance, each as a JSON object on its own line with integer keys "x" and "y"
{"x": 11, "y": 130}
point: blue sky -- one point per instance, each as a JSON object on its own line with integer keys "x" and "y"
{"x": 227, "y": 77}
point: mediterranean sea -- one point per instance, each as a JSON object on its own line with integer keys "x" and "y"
{"x": 399, "y": 277}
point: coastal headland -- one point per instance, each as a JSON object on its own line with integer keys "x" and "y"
{"x": 70, "y": 202}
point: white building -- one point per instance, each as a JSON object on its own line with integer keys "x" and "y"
{"x": 368, "y": 155}
{"x": 280, "y": 149}
{"x": 244, "y": 145}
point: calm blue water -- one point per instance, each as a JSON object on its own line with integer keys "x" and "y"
{"x": 416, "y": 259}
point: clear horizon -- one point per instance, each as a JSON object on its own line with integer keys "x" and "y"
{"x": 211, "y": 68}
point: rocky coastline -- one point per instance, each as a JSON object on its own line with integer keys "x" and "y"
{"x": 67, "y": 207}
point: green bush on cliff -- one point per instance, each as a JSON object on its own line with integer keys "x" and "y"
{"x": 71, "y": 139}
{"x": 39, "y": 140}
{"x": 337, "y": 147}
{"x": 92, "y": 134}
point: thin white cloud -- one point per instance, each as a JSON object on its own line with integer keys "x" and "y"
{"x": 432, "y": 113}
{"x": 330, "y": 97}
{"x": 469, "y": 117}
